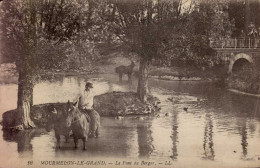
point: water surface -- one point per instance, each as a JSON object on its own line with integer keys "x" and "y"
{"x": 219, "y": 129}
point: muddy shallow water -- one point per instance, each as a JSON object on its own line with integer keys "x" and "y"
{"x": 219, "y": 129}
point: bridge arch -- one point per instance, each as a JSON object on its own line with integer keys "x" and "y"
{"x": 240, "y": 58}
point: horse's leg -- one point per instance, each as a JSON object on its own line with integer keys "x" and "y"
{"x": 84, "y": 143}
{"x": 58, "y": 139}
{"x": 67, "y": 138}
{"x": 97, "y": 132}
{"x": 90, "y": 134}
{"x": 92, "y": 127}
{"x": 120, "y": 77}
{"x": 129, "y": 77}
{"x": 76, "y": 142}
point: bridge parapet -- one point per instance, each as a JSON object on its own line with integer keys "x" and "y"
{"x": 237, "y": 51}
{"x": 242, "y": 43}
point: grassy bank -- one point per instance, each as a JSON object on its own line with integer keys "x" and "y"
{"x": 186, "y": 73}
{"x": 247, "y": 80}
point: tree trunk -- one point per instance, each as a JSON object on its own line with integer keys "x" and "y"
{"x": 142, "y": 88}
{"x": 26, "y": 66}
{"x": 247, "y": 16}
{"x": 25, "y": 98}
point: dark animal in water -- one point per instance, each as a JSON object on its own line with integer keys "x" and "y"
{"x": 79, "y": 124}
{"x": 94, "y": 124}
{"x": 128, "y": 70}
{"x": 60, "y": 128}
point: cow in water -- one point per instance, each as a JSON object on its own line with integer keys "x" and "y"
{"x": 128, "y": 70}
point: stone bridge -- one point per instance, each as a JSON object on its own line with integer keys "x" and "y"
{"x": 238, "y": 53}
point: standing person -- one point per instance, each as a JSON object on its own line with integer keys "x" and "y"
{"x": 242, "y": 40}
{"x": 86, "y": 106}
{"x": 242, "y": 34}
{"x": 253, "y": 31}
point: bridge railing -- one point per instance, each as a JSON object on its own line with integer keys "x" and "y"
{"x": 236, "y": 43}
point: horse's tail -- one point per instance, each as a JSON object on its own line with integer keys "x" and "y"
{"x": 97, "y": 116}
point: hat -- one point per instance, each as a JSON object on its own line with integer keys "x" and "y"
{"x": 89, "y": 85}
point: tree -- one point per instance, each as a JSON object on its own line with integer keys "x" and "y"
{"x": 207, "y": 21}
{"x": 236, "y": 12}
{"x": 146, "y": 27}
{"x": 26, "y": 26}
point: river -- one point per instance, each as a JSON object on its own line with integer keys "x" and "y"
{"x": 218, "y": 129}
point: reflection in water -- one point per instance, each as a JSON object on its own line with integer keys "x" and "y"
{"x": 243, "y": 132}
{"x": 174, "y": 136}
{"x": 245, "y": 106}
{"x": 208, "y": 145}
{"x": 131, "y": 86}
{"x": 145, "y": 140}
{"x": 23, "y": 138}
{"x": 257, "y": 106}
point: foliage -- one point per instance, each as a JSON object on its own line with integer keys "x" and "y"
{"x": 47, "y": 29}
{"x": 168, "y": 32}
{"x": 236, "y": 13}
{"x": 191, "y": 41}
{"x": 145, "y": 25}
{"x": 208, "y": 22}
{"x": 51, "y": 56}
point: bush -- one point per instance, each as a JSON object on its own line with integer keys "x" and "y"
{"x": 247, "y": 80}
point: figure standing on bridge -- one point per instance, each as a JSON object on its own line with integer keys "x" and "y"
{"x": 242, "y": 34}
{"x": 252, "y": 30}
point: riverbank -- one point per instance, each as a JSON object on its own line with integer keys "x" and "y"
{"x": 178, "y": 73}
{"x": 244, "y": 93}
{"x": 245, "y": 81}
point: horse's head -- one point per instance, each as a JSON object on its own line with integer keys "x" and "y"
{"x": 72, "y": 110}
